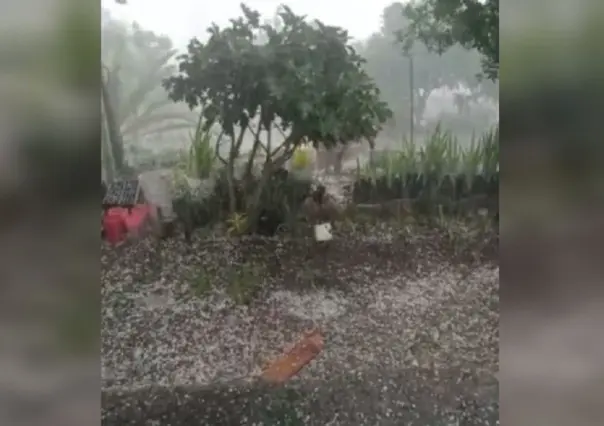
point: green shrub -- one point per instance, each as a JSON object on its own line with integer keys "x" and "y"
{"x": 439, "y": 171}
{"x": 441, "y": 155}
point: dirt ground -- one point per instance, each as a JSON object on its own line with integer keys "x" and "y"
{"x": 410, "y": 315}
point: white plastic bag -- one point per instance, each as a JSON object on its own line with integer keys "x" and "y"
{"x": 323, "y": 232}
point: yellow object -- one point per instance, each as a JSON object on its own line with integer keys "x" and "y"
{"x": 301, "y": 158}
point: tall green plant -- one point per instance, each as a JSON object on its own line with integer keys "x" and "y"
{"x": 202, "y": 155}
{"x": 490, "y": 152}
{"x": 394, "y": 163}
{"x": 472, "y": 160}
{"x": 441, "y": 155}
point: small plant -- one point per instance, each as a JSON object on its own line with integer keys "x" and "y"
{"x": 236, "y": 224}
{"x": 199, "y": 160}
{"x": 441, "y": 155}
{"x": 431, "y": 172}
{"x": 202, "y": 155}
{"x": 244, "y": 283}
{"x": 180, "y": 182}
{"x": 201, "y": 284}
{"x": 472, "y": 160}
{"x": 490, "y": 152}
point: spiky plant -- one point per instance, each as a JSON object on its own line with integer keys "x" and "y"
{"x": 490, "y": 152}
{"x": 202, "y": 155}
{"x": 440, "y": 157}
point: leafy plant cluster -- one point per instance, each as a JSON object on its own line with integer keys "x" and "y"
{"x": 408, "y": 78}
{"x": 440, "y": 168}
{"x": 441, "y": 154}
{"x": 281, "y": 199}
{"x": 442, "y": 24}
{"x": 285, "y": 85}
{"x": 304, "y": 78}
{"x": 200, "y": 160}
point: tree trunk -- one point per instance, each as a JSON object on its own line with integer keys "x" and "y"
{"x": 231, "y": 185}
{"x": 106, "y": 158}
{"x": 113, "y": 132}
{"x": 253, "y": 207}
{"x": 249, "y": 169}
{"x": 230, "y": 169}
{"x": 339, "y": 159}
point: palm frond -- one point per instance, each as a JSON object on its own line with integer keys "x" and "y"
{"x": 147, "y": 84}
{"x": 148, "y": 122}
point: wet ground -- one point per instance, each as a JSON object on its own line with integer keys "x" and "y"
{"x": 410, "y": 315}
{"x": 401, "y": 397}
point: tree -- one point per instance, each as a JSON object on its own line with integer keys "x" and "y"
{"x": 391, "y": 69}
{"x": 304, "y": 81}
{"x": 136, "y": 61}
{"x": 135, "y": 106}
{"x": 441, "y": 24}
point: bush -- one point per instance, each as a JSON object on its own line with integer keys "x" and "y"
{"x": 439, "y": 173}
{"x": 281, "y": 199}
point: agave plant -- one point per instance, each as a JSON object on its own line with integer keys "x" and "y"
{"x": 472, "y": 160}
{"x": 490, "y": 152}
{"x": 441, "y": 157}
{"x": 441, "y": 154}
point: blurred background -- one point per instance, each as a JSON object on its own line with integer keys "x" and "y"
{"x": 50, "y": 162}
{"x": 552, "y": 221}
{"x": 50, "y": 166}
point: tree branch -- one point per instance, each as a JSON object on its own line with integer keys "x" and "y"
{"x": 217, "y": 149}
{"x": 250, "y": 161}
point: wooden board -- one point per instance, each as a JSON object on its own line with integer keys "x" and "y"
{"x": 292, "y": 361}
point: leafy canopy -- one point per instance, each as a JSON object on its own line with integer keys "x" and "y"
{"x": 440, "y": 24}
{"x": 455, "y": 68}
{"x": 301, "y": 77}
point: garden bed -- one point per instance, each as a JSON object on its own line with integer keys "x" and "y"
{"x": 407, "y": 313}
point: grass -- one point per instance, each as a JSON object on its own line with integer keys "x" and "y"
{"x": 201, "y": 284}
{"x": 244, "y": 282}
{"x": 462, "y": 233}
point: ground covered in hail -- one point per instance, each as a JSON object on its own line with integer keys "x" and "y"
{"x": 409, "y": 312}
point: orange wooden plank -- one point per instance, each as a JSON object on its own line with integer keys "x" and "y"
{"x": 292, "y": 361}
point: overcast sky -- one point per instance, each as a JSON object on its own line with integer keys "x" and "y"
{"x": 183, "y": 19}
